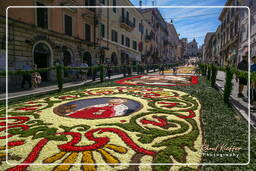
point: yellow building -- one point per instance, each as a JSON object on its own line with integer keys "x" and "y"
{"x": 119, "y": 35}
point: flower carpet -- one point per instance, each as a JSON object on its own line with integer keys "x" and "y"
{"x": 160, "y": 80}
{"x": 108, "y": 125}
{"x": 182, "y": 70}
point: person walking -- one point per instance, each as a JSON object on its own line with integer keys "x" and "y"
{"x": 243, "y": 66}
{"x": 26, "y": 76}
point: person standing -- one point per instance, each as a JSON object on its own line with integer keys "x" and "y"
{"x": 161, "y": 70}
{"x": 26, "y": 76}
{"x": 109, "y": 70}
{"x": 36, "y": 77}
{"x": 83, "y": 72}
{"x": 243, "y": 66}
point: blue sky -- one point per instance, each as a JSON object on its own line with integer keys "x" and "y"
{"x": 190, "y": 23}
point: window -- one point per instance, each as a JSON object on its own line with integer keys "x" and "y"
{"x": 123, "y": 12}
{"x": 102, "y": 30}
{"x": 141, "y": 28}
{"x": 134, "y": 21}
{"x": 102, "y": 1}
{"x": 134, "y": 45}
{"x": 127, "y": 42}
{"x": 68, "y": 25}
{"x": 127, "y": 15}
{"x": 114, "y": 36}
{"x": 114, "y": 4}
{"x": 87, "y": 31}
{"x": 90, "y": 3}
{"x": 42, "y": 16}
{"x": 122, "y": 39}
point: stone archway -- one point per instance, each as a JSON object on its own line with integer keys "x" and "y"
{"x": 42, "y": 57}
{"x": 67, "y": 60}
{"x": 114, "y": 60}
{"x": 102, "y": 57}
{"x": 87, "y": 58}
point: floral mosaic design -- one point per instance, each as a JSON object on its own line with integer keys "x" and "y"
{"x": 160, "y": 80}
{"x": 182, "y": 70}
{"x": 162, "y": 126}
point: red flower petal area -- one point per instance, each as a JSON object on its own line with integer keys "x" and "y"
{"x": 100, "y": 141}
{"x": 194, "y": 80}
{"x": 161, "y": 122}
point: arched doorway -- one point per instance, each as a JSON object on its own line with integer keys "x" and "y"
{"x": 127, "y": 59}
{"x": 102, "y": 57}
{"x": 122, "y": 58}
{"x": 87, "y": 58}
{"x": 66, "y": 60}
{"x": 42, "y": 55}
{"x": 114, "y": 59}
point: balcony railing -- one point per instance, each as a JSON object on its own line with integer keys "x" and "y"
{"x": 127, "y": 24}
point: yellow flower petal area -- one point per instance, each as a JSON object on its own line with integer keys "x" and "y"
{"x": 88, "y": 159}
{"x": 54, "y": 157}
{"x": 108, "y": 157}
{"x": 69, "y": 160}
{"x": 116, "y": 148}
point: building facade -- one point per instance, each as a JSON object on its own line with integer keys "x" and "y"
{"x": 244, "y": 30}
{"x": 192, "y": 49}
{"x": 230, "y": 41}
{"x": 173, "y": 43}
{"x": 46, "y": 36}
{"x": 120, "y": 38}
{"x": 229, "y": 18}
{"x": 160, "y": 33}
{"x": 207, "y": 47}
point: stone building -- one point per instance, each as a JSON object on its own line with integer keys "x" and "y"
{"x": 192, "y": 49}
{"x": 184, "y": 44}
{"x": 229, "y": 18}
{"x": 173, "y": 43}
{"x": 120, "y": 37}
{"x": 45, "y": 36}
{"x": 244, "y": 31}
{"x": 160, "y": 33}
{"x": 207, "y": 47}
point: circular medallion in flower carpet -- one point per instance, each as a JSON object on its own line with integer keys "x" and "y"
{"x": 141, "y": 125}
{"x": 97, "y": 108}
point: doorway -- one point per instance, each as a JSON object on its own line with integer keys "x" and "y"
{"x": 42, "y": 55}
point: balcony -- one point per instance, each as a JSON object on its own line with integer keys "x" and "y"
{"x": 126, "y": 24}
